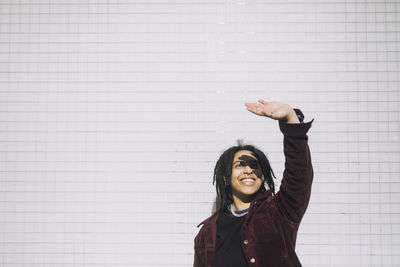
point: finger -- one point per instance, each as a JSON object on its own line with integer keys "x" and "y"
{"x": 251, "y": 105}
{"x": 254, "y": 108}
{"x": 258, "y": 107}
{"x": 262, "y": 101}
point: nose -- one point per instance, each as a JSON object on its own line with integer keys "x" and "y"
{"x": 248, "y": 170}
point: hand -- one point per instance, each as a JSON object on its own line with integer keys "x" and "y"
{"x": 273, "y": 110}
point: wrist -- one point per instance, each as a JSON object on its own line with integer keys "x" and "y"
{"x": 292, "y": 117}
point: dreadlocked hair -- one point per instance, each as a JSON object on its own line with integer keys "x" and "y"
{"x": 223, "y": 173}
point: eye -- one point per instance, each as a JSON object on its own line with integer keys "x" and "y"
{"x": 239, "y": 165}
{"x": 254, "y": 165}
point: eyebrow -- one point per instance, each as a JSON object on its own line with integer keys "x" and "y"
{"x": 240, "y": 160}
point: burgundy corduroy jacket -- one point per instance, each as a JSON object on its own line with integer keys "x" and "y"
{"x": 268, "y": 235}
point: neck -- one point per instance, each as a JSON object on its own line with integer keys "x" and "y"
{"x": 240, "y": 204}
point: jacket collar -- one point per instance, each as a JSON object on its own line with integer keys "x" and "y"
{"x": 213, "y": 218}
{"x": 261, "y": 196}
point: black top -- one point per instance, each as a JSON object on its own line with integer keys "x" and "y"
{"x": 228, "y": 249}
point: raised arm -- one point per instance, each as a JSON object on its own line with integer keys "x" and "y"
{"x": 294, "y": 193}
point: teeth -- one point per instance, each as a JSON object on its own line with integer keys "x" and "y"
{"x": 247, "y": 180}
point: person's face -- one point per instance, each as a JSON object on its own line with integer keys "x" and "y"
{"x": 246, "y": 174}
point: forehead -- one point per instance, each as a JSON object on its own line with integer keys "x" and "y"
{"x": 242, "y": 153}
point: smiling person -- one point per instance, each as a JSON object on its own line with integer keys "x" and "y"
{"x": 254, "y": 226}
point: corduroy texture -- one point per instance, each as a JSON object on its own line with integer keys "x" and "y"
{"x": 271, "y": 225}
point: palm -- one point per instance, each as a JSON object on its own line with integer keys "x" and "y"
{"x": 274, "y": 110}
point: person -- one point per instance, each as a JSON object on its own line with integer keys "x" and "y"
{"x": 254, "y": 226}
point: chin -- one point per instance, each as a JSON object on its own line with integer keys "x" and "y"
{"x": 249, "y": 192}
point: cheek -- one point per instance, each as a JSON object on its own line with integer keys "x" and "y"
{"x": 235, "y": 174}
{"x": 258, "y": 172}
{"x": 258, "y": 183}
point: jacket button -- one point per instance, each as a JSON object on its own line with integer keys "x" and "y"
{"x": 252, "y": 260}
{"x": 246, "y": 242}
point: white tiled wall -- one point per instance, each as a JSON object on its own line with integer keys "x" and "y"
{"x": 113, "y": 113}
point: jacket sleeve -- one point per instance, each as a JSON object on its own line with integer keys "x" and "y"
{"x": 294, "y": 193}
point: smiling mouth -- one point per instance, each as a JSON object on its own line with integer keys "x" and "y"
{"x": 248, "y": 181}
